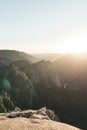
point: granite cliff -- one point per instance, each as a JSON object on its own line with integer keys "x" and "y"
{"x": 42, "y": 119}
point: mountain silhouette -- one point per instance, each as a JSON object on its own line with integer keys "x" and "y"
{"x": 59, "y": 85}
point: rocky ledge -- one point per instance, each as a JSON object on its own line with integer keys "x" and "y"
{"x": 42, "y": 119}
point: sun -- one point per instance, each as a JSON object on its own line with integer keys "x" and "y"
{"x": 75, "y": 48}
{"x": 75, "y": 44}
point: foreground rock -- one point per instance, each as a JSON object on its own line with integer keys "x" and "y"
{"x": 20, "y": 123}
{"x": 42, "y": 113}
{"x": 42, "y": 119}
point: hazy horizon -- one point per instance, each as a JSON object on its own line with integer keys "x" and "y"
{"x": 44, "y": 53}
{"x": 48, "y": 26}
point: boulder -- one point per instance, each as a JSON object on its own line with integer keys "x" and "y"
{"x": 49, "y": 113}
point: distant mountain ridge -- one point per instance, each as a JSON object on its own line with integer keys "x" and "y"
{"x": 13, "y": 55}
{"x": 72, "y": 69}
{"x": 49, "y": 56}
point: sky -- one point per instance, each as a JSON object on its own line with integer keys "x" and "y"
{"x": 43, "y": 26}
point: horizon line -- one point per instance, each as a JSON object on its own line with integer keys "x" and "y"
{"x": 37, "y": 53}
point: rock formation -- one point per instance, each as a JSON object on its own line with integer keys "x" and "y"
{"x": 32, "y": 120}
